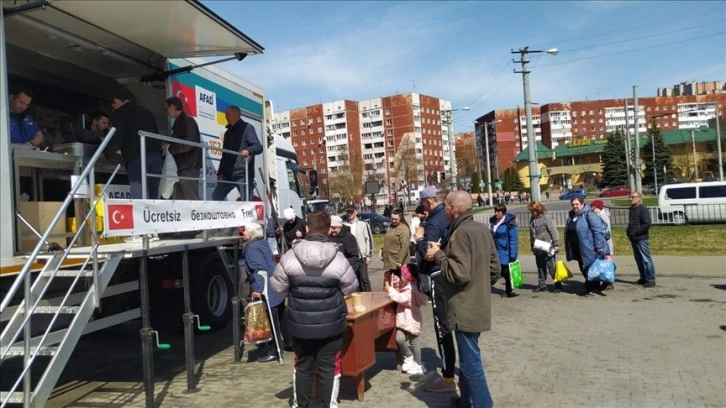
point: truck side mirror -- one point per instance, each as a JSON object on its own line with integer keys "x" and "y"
{"x": 313, "y": 176}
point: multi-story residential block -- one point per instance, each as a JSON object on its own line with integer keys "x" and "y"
{"x": 363, "y": 137}
{"x": 559, "y": 123}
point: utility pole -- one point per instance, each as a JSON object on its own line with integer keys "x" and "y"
{"x": 718, "y": 144}
{"x": 628, "y": 151}
{"x": 638, "y": 186}
{"x": 534, "y": 175}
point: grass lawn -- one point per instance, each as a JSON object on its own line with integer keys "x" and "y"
{"x": 664, "y": 240}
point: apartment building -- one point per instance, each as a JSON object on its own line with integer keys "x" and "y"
{"x": 559, "y": 123}
{"x": 362, "y": 137}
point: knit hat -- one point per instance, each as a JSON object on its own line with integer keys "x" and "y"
{"x": 597, "y": 204}
{"x": 335, "y": 221}
{"x": 289, "y": 214}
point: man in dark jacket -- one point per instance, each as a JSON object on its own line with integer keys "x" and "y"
{"x": 469, "y": 267}
{"x": 240, "y": 137}
{"x": 128, "y": 119}
{"x": 637, "y": 232}
{"x": 188, "y": 158}
{"x": 340, "y": 234}
{"x": 317, "y": 277}
{"x": 436, "y": 230}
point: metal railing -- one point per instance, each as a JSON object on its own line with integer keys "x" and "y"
{"x": 618, "y": 216}
{"x": 34, "y": 291}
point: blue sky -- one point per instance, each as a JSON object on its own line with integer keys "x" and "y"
{"x": 461, "y": 51}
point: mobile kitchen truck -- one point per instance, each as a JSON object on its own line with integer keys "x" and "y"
{"x": 71, "y": 276}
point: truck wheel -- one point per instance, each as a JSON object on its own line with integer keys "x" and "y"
{"x": 377, "y": 228}
{"x": 213, "y": 294}
{"x": 679, "y": 218}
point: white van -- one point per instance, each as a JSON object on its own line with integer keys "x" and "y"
{"x": 693, "y": 202}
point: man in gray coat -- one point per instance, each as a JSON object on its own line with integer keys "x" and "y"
{"x": 468, "y": 293}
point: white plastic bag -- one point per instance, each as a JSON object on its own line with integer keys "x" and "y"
{"x": 168, "y": 176}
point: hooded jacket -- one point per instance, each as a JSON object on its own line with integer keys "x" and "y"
{"x": 317, "y": 277}
{"x": 506, "y": 238}
{"x": 408, "y": 305}
{"x": 435, "y": 230}
{"x": 590, "y": 236}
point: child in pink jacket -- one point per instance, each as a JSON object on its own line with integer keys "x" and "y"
{"x": 405, "y": 293}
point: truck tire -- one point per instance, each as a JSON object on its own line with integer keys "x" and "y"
{"x": 213, "y": 293}
{"x": 679, "y": 218}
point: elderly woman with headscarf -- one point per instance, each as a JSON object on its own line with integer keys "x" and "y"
{"x": 258, "y": 257}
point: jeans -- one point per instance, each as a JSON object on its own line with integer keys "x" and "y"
{"x": 646, "y": 268}
{"x": 326, "y": 353}
{"x": 472, "y": 381}
{"x": 133, "y": 171}
{"x": 545, "y": 264}
{"x": 225, "y": 186}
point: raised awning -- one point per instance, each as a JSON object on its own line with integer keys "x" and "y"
{"x": 126, "y": 38}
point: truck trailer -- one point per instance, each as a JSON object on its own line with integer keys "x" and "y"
{"x": 73, "y": 275}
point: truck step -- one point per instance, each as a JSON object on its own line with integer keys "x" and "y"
{"x": 11, "y": 397}
{"x": 57, "y": 309}
{"x": 20, "y": 351}
{"x": 68, "y": 273}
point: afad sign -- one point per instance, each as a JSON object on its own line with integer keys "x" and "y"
{"x": 137, "y": 217}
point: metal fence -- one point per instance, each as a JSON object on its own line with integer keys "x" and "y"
{"x": 620, "y": 216}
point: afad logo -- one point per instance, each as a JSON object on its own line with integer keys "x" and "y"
{"x": 120, "y": 217}
{"x": 260, "y": 211}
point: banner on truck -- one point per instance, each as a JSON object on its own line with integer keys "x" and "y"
{"x": 138, "y": 217}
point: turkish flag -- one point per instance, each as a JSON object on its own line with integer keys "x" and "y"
{"x": 260, "y": 211}
{"x": 187, "y": 95}
{"x": 120, "y": 217}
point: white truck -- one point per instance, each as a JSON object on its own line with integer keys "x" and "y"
{"x": 74, "y": 54}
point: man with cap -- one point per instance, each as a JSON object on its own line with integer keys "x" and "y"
{"x": 362, "y": 233}
{"x": 340, "y": 234}
{"x": 436, "y": 232}
{"x": 294, "y": 227}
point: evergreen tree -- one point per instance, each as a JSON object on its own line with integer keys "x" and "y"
{"x": 615, "y": 169}
{"x": 512, "y": 182}
{"x": 663, "y": 156}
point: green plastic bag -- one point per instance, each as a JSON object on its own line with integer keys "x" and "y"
{"x": 515, "y": 272}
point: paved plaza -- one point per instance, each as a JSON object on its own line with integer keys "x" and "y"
{"x": 637, "y": 347}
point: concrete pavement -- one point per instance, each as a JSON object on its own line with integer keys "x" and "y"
{"x": 659, "y": 347}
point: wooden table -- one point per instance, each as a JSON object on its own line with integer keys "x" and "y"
{"x": 367, "y": 332}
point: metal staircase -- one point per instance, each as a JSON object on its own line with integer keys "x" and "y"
{"x": 39, "y": 324}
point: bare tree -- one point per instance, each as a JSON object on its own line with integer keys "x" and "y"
{"x": 341, "y": 180}
{"x": 406, "y": 167}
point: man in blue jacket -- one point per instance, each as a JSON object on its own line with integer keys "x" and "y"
{"x": 240, "y": 137}
{"x": 437, "y": 230}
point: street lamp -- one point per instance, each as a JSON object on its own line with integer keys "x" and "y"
{"x": 489, "y": 167}
{"x": 452, "y": 159}
{"x": 531, "y": 140}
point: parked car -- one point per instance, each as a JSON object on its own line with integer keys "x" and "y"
{"x": 570, "y": 194}
{"x": 377, "y": 222}
{"x": 693, "y": 202}
{"x": 617, "y": 191}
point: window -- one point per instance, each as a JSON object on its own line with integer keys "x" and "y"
{"x": 712, "y": 191}
{"x": 680, "y": 193}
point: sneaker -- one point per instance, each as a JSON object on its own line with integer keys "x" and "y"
{"x": 417, "y": 369}
{"x": 408, "y": 364}
{"x": 649, "y": 284}
{"x": 540, "y": 289}
{"x": 441, "y": 386}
